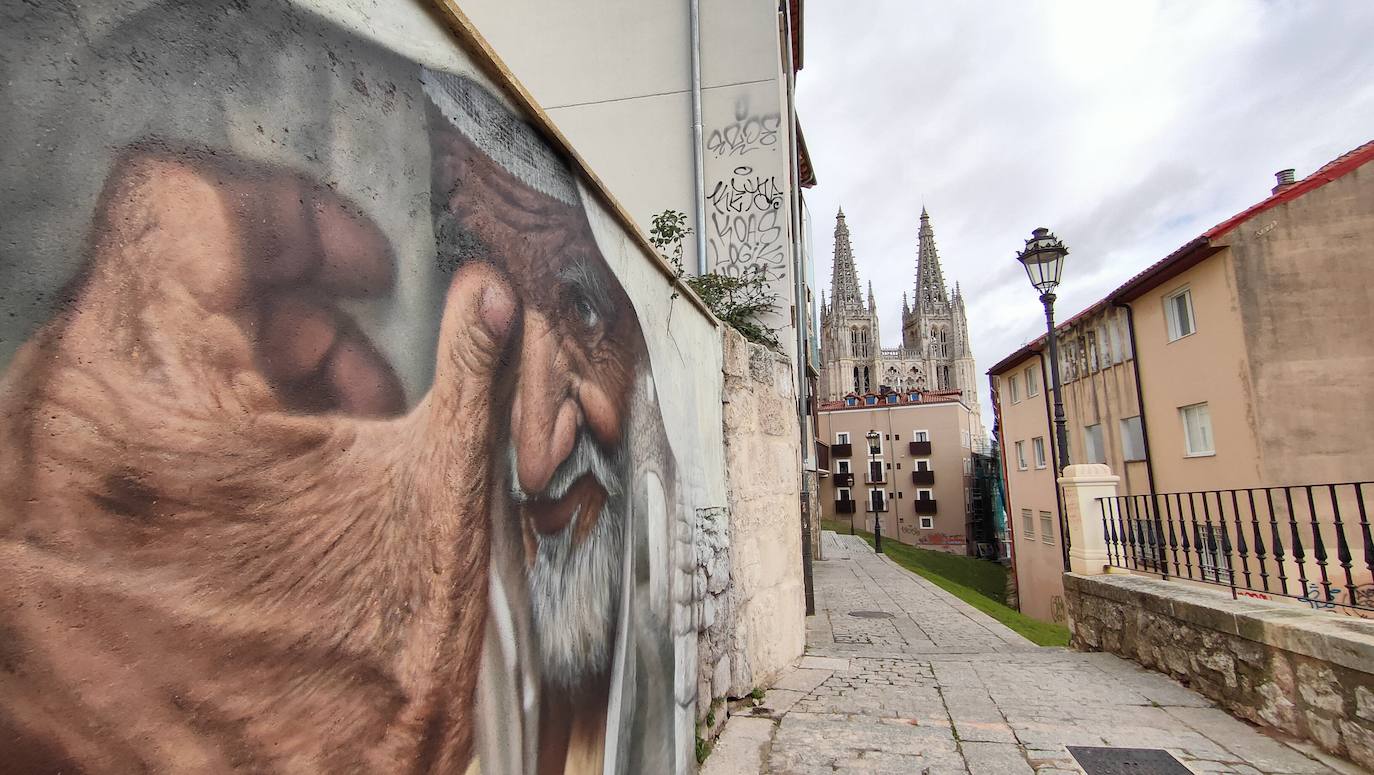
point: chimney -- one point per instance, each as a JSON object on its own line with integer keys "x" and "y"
{"x": 1284, "y": 178}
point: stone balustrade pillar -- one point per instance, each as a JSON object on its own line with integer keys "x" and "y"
{"x": 1082, "y": 485}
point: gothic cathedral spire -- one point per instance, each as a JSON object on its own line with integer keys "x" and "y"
{"x": 930, "y": 281}
{"x": 844, "y": 281}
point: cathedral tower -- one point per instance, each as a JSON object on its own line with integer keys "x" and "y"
{"x": 849, "y": 326}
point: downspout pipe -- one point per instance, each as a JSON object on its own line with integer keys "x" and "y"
{"x": 1054, "y": 461}
{"x": 799, "y": 307}
{"x": 1144, "y": 430}
{"x": 698, "y": 145}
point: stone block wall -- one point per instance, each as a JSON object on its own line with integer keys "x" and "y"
{"x": 751, "y": 605}
{"x": 1305, "y": 673}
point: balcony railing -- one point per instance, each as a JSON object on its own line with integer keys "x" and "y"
{"x": 880, "y": 507}
{"x": 844, "y": 507}
{"x": 918, "y": 447}
{"x": 925, "y": 505}
{"x": 875, "y": 477}
{"x": 1310, "y": 542}
{"x": 923, "y": 477}
{"x": 841, "y": 450}
{"x": 844, "y": 480}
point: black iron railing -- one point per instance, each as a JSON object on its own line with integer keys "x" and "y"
{"x": 1309, "y": 542}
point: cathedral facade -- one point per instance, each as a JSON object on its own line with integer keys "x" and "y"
{"x": 935, "y": 355}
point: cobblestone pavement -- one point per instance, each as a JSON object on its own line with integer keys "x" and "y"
{"x": 942, "y": 688}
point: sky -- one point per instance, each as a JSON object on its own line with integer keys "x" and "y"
{"x": 1126, "y": 127}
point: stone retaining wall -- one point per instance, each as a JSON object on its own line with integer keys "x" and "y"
{"x": 1305, "y": 673}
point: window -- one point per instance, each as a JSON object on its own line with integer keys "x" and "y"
{"x": 851, "y": 401}
{"x": 1197, "y": 429}
{"x": 842, "y": 467}
{"x": 896, "y": 437}
{"x": 842, "y": 438}
{"x": 923, "y": 464}
{"x": 1021, "y": 455}
{"x": 877, "y": 500}
{"x": 1014, "y": 389}
{"x": 913, "y": 397}
{"x": 927, "y": 523}
{"x": 925, "y": 494}
{"x": 1032, "y": 381}
{"x": 1132, "y": 439}
{"x": 871, "y": 400}
{"x": 875, "y": 472}
{"x": 843, "y": 494}
{"x": 1038, "y": 443}
{"x": 1027, "y": 523}
{"x": 920, "y": 436}
{"x": 1214, "y": 551}
{"x": 968, "y": 466}
{"x": 1178, "y": 311}
{"x": 1046, "y": 528}
{"x": 1092, "y": 444}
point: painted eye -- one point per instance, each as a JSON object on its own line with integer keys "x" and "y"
{"x": 586, "y": 312}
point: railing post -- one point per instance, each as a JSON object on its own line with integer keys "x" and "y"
{"x": 1082, "y": 486}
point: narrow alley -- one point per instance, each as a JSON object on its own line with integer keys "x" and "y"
{"x": 902, "y": 677}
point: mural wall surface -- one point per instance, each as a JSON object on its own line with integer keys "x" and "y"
{"x": 329, "y": 437}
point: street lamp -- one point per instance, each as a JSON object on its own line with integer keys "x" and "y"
{"x": 873, "y": 437}
{"x": 1043, "y": 259}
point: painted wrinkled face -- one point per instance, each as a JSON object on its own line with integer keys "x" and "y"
{"x": 573, "y": 368}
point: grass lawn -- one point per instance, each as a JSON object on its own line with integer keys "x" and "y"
{"x": 979, "y": 583}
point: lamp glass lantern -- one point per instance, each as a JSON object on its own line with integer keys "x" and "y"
{"x": 1043, "y": 259}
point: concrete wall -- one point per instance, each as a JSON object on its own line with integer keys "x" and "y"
{"x": 1038, "y": 555}
{"x": 626, "y": 105}
{"x": 949, "y": 424}
{"x": 330, "y": 422}
{"x": 1210, "y": 365}
{"x": 1301, "y": 672}
{"x": 1304, "y": 294}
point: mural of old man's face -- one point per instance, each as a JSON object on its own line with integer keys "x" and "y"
{"x": 328, "y": 435}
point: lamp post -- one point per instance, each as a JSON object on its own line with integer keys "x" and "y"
{"x": 873, "y": 437}
{"x": 1043, "y": 259}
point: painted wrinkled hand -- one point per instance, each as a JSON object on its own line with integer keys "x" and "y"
{"x": 222, "y": 502}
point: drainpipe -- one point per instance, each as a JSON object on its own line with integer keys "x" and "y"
{"x": 1054, "y": 461}
{"x": 1144, "y": 429}
{"x": 799, "y": 318}
{"x": 698, "y": 145}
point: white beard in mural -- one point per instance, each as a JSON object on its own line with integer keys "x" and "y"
{"x": 575, "y": 580}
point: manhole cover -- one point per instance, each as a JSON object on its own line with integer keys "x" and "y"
{"x": 1127, "y": 761}
{"x": 871, "y": 614}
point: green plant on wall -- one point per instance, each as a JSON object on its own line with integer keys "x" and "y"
{"x": 739, "y": 301}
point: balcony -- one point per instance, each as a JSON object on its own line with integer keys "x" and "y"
{"x": 925, "y": 505}
{"x": 841, "y": 450}
{"x": 844, "y": 480}
{"x": 878, "y": 507}
{"x": 918, "y": 448}
{"x": 844, "y": 507}
{"x": 923, "y": 477}
{"x": 875, "y": 477}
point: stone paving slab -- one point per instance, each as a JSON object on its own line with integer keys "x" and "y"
{"x": 940, "y": 687}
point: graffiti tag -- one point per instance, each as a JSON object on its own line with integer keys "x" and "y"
{"x": 746, "y": 230}
{"x": 747, "y": 133}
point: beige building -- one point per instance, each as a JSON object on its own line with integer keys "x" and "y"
{"x": 1243, "y": 359}
{"x": 914, "y": 475}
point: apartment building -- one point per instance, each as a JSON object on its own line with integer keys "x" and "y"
{"x": 905, "y": 459}
{"x": 1241, "y": 360}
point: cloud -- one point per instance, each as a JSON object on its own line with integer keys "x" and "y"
{"x": 1128, "y": 129}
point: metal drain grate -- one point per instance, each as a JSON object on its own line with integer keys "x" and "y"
{"x": 871, "y": 615}
{"x": 1127, "y": 761}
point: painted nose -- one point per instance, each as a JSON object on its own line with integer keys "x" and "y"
{"x": 545, "y": 415}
